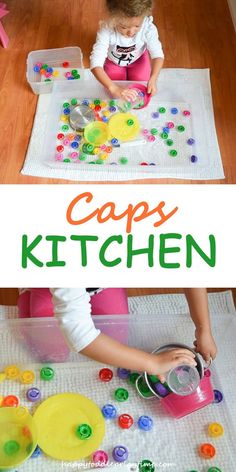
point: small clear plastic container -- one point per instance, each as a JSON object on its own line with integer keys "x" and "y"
{"x": 54, "y": 58}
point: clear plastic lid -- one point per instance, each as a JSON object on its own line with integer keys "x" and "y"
{"x": 183, "y": 380}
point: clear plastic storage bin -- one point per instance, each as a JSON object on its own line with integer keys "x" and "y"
{"x": 54, "y": 58}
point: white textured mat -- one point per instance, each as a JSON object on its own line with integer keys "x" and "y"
{"x": 172, "y": 444}
{"x": 171, "y": 79}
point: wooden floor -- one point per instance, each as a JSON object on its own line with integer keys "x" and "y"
{"x": 194, "y": 33}
{"x": 8, "y": 296}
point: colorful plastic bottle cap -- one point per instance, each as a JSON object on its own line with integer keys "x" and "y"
{"x": 74, "y": 155}
{"x": 181, "y": 128}
{"x": 173, "y": 153}
{"x": 103, "y": 104}
{"x": 112, "y": 103}
{"x": 166, "y": 130}
{"x": 55, "y": 73}
{"x": 105, "y": 375}
{"x": 33, "y": 394}
{"x": 144, "y": 388}
{"x": 125, "y": 421}
{"x": 123, "y": 160}
{"x": 97, "y": 108}
{"x": 66, "y": 142}
{"x": 97, "y": 101}
{"x": 60, "y": 148}
{"x": 112, "y": 109}
{"x": 123, "y": 373}
{"x": 66, "y": 160}
{"x": 60, "y": 136}
{"x": 26, "y": 432}
{"x": 169, "y": 142}
{"x": 109, "y": 149}
{"x": 191, "y": 141}
{"x": 162, "y": 110}
{"x": 11, "y": 447}
{"x": 73, "y": 100}
{"x": 174, "y": 111}
{"x": 207, "y": 451}
{"x": 64, "y": 118}
{"x": 130, "y": 122}
{"x": 66, "y": 105}
{"x": 47, "y": 373}
{"x": 36, "y": 68}
{"x": 170, "y": 124}
{"x": 109, "y": 411}
{"x": 193, "y": 159}
{"x": 114, "y": 141}
{"x": 152, "y": 164}
{"x": 120, "y": 453}
{"x": 66, "y": 64}
{"x": 10, "y": 401}
{"x": 12, "y": 372}
{"x": 164, "y": 135}
{"x": 186, "y": 113}
{"x": 66, "y": 111}
{"x": 121, "y": 394}
{"x": 145, "y": 131}
{"x": 65, "y": 128}
{"x": 207, "y": 373}
{"x": 74, "y": 72}
{"x": 214, "y": 469}
{"x": 154, "y": 131}
{"x": 36, "y": 453}
{"x": 83, "y": 431}
{"x": 161, "y": 390}
{"x": 215, "y": 430}
{"x": 144, "y": 163}
{"x": 82, "y": 157}
{"x": 145, "y": 423}
{"x": 146, "y": 466}
{"x": 151, "y": 138}
{"x": 100, "y": 458}
{"x": 71, "y": 136}
{"x": 133, "y": 377}
{"x": 3, "y": 376}
{"x": 218, "y": 396}
{"x": 27, "y": 377}
{"x": 155, "y": 114}
{"x": 74, "y": 145}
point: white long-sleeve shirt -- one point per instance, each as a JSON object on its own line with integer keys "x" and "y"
{"x": 123, "y": 50}
{"x": 73, "y": 312}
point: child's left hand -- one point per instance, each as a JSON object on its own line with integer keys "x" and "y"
{"x": 205, "y": 345}
{"x": 152, "y": 86}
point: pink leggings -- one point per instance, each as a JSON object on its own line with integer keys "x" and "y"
{"x": 138, "y": 70}
{"x": 37, "y": 303}
{"x": 45, "y": 340}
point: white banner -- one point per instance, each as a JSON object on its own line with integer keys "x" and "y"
{"x": 117, "y": 235}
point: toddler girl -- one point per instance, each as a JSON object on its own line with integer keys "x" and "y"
{"x": 127, "y": 47}
{"x": 71, "y": 307}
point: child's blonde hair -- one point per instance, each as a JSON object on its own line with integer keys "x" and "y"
{"x": 129, "y": 8}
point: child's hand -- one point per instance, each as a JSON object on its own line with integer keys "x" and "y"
{"x": 165, "y": 361}
{"x": 152, "y": 86}
{"x": 205, "y": 345}
{"x": 126, "y": 94}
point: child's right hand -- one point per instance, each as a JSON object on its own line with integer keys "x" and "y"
{"x": 126, "y": 94}
{"x": 165, "y": 361}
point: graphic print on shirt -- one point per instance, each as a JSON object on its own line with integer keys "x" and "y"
{"x": 124, "y": 54}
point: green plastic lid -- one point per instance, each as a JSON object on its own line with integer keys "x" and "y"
{"x": 47, "y": 373}
{"x": 133, "y": 377}
{"x": 83, "y": 431}
{"x": 11, "y": 447}
{"x": 146, "y": 466}
{"x": 121, "y": 394}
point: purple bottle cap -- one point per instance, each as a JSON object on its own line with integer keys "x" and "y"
{"x": 160, "y": 389}
{"x": 33, "y": 394}
{"x": 218, "y": 396}
{"x": 120, "y": 453}
{"x": 123, "y": 373}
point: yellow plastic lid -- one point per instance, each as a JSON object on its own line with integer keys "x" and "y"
{"x": 124, "y": 126}
{"x": 57, "y": 420}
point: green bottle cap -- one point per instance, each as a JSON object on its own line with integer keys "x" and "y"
{"x": 97, "y": 101}
{"x": 121, "y": 394}
{"x": 83, "y": 431}
{"x": 154, "y": 131}
{"x": 169, "y": 142}
{"x": 173, "y": 153}
{"x": 133, "y": 377}
{"x": 162, "y": 110}
{"x": 181, "y": 128}
{"x": 146, "y": 466}
{"x": 11, "y": 447}
{"x": 47, "y": 373}
{"x": 66, "y": 105}
{"x": 130, "y": 122}
{"x": 65, "y": 128}
{"x": 73, "y": 101}
{"x": 82, "y": 157}
{"x": 74, "y": 72}
{"x": 164, "y": 135}
{"x": 123, "y": 160}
